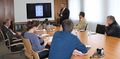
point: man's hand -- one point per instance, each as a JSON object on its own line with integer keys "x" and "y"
{"x": 58, "y": 14}
{"x": 19, "y": 33}
{"x": 106, "y": 24}
{"x": 61, "y": 15}
{"x": 78, "y": 53}
{"x": 45, "y": 42}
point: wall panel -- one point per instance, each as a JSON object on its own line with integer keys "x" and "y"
{"x": 57, "y": 7}
{"x": 6, "y": 10}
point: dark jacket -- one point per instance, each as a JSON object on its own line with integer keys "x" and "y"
{"x": 113, "y": 30}
{"x": 65, "y": 14}
{"x": 5, "y": 30}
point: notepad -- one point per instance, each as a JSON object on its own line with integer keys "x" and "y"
{"x": 88, "y": 47}
{"x": 81, "y": 30}
{"x": 49, "y": 39}
{"x": 43, "y": 35}
{"x": 41, "y": 30}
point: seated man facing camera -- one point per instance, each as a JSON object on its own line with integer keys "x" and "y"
{"x": 111, "y": 27}
{"x": 64, "y": 43}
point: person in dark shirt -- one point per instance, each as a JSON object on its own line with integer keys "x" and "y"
{"x": 64, "y": 13}
{"x": 64, "y": 42}
{"x": 5, "y": 28}
{"x": 111, "y": 27}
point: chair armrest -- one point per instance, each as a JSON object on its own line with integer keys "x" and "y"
{"x": 27, "y": 52}
{"x": 14, "y": 38}
{"x": 6, "y": 39}
{"x": 17, "y": 40}
{"x": 42, "y": 50}
{"x": 16, "y": 44}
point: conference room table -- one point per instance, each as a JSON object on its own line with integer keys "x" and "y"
{"x": 111, "y": 45}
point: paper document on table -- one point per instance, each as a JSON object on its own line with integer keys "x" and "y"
{"x": 38, "y": 30}
{"x": 81, "y": 30}
{"x": 74, "y": 32}
{"x": 93, "y": 33}
{"x": 44, "y": 35}
{"x": 49, "y": 39}
{"x": 88, "y": 47}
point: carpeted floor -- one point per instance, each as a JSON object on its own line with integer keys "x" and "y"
{"x": 4, "y": 50}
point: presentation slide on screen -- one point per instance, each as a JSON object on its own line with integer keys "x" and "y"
{"x": 39, "y": 10}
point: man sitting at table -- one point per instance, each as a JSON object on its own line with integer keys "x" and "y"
{"x": 111, "y": 27}
{"x": 5, "y": 28}
{"x": 82, "y": 23}
{"x": 64, "y": 43}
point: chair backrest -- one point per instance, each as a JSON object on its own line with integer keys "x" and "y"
{"x": 11, "y": 26}
{"x": 2, "y": 34}
{"x": 5, "y": 40}
{"x": 27, "y": 44}
{"x": 28, "y": 47}
{"x": 9, "y": 36}
{"x": 100, "y": 29}
{"x": 23, "y": 28}
{"x": 13, "y": 47}
{"x": 86, "y": 26}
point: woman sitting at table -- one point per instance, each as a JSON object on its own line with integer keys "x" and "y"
{"x": 35, "y": 41}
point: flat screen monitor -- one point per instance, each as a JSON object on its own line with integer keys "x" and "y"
{"x": 38, "y": 10}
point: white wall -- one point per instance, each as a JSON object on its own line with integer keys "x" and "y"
{"x": 20, "y": 9}
{"x": 74, "y": 7}
{"x": 96, "y": 11}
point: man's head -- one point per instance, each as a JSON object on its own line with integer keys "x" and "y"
{"x": 67, "y": 25}
{"x": 6, "y": 22}
{"x": 63, "y": 5}
{"x": 81, "y": 15}
{"x": 110, "y": 19}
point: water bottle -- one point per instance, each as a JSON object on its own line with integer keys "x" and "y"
{"x": 90, "y": 32}
{"x": 49, "y": 25}
{"x": 60, "y": 27}
{"x": 44, "y": 26}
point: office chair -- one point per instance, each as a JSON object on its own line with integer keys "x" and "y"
{"x": 100, "y": 29}
{"x": 29, "y": 52}
{"x": 13, "y": 47}
{"x": 23, "y": 28}
{"x": 5, "y": 40}
{"x": 86, "y": 26}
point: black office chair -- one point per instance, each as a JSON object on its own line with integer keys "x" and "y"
{"x": 86, "y": 26}
{"x": 5, "y": 40}
{"x": 100, "y": 29}
{"x": 14, "y": 48}
{"x": 11, "y": 26}
{"x": 14, "y": 43}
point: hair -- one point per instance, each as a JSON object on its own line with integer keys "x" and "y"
{"x": 64, "y": 4}
{"x": 5, "y": 21}
{"x": 31, "y": 24}
{"x": 112, "y": 18}
{"x": 67, "y": 25}
{"x": 82, "y": 14}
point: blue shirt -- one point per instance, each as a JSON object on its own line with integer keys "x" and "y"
{"x": 63, "y": 45}
{"x": 35, "y": 41}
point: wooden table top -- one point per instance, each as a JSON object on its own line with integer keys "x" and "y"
{"x": 110, "y": 44}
